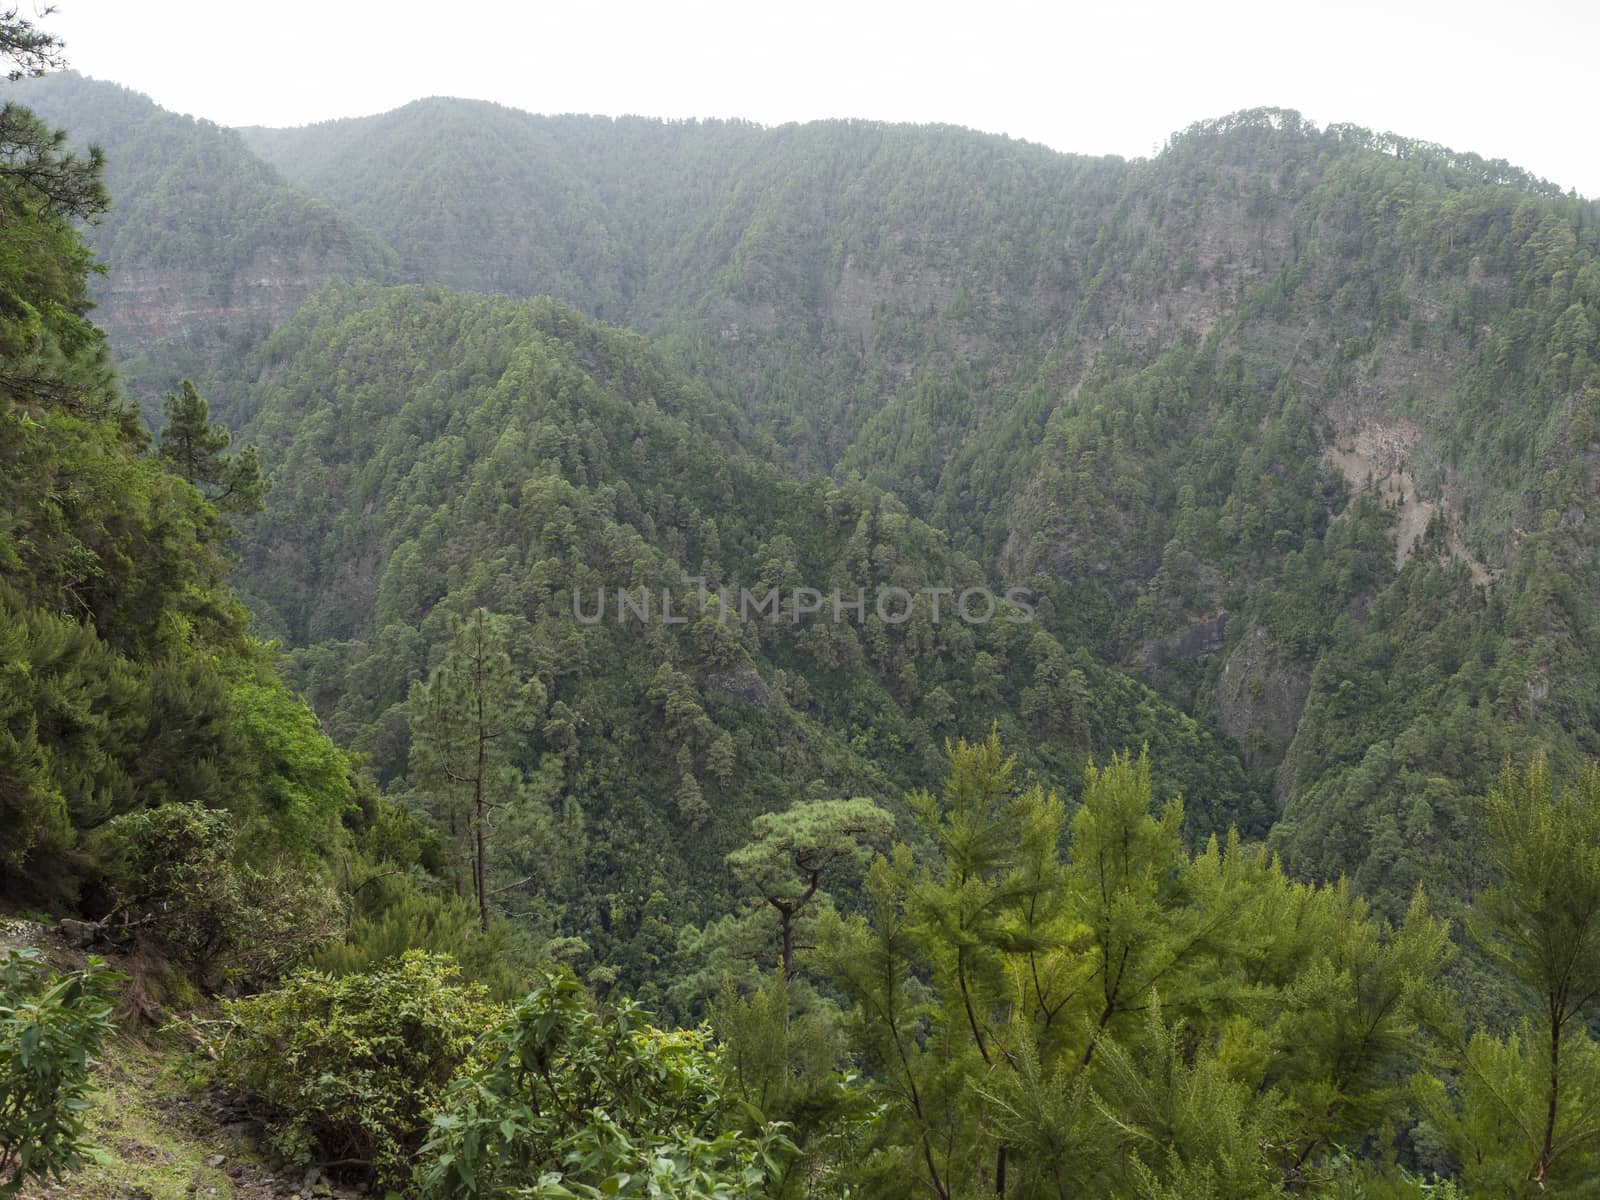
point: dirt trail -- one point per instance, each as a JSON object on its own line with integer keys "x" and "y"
{"x": 164, "y": 1133}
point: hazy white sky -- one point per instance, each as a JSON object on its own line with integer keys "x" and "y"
{"x": 1508, "y": 81}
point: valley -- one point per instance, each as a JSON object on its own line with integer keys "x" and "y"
{"x": 1289, "y": 432}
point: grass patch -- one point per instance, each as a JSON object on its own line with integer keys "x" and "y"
{"x": 155, "y": 1133}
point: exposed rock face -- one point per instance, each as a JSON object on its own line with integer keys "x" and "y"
{"x": 739, "y": 683}
{"x": 144, "y": 306}
{"x": 1376, "y": 453}
{"x": 1188, "y": 645}
{"x": 1259, "y": 697}
{"x": 202, "y": 238}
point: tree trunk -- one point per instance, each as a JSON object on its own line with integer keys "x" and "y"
{"x": 478, "y": 878}
{"x": 479, "y": 807}
{"x": 1546, "y": 1151}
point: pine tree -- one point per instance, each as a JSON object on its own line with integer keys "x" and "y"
{"x": 31, "y": 50}
{"x": 196, "y": 447}
{"x": 469, "y": 725}
{"x": 795, "y": 850}
{"x": 1009, "y": 996}
{"x": 1541, "y": 924}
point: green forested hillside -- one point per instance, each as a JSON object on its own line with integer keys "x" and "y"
{"x": 1155, "y": 392}
{"x": 202, "y": 241}
{"x": 1429, "y": 336}
{"x": 434, "y": 452}
{"x": 156, "y": 771}
{"x": 1249, "y": 849}
{"x": 805, "y": 270}
{"x": 589, "y": 210}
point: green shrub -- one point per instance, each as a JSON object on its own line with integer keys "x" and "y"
{"x": 564, "y": 1101}
{"x": 180, "y": 890}
{"x": 351, "y": 1068}
{"x": 168, "y": 869}
{"x": 283, "y": 918}
{"x": 50, "y": 1030}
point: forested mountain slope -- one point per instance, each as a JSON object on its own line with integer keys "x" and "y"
{"x": 1295, "y": 424}
{"x": 811, "y": 270}
{"x": 1427, "y": 332}
{"x": 488, "y": 198}
{"x": 433, "y": 452}
{"x": 202, "y": 238}
{"x": 139, "y": 716}
{"x": 1273, "y": 455}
